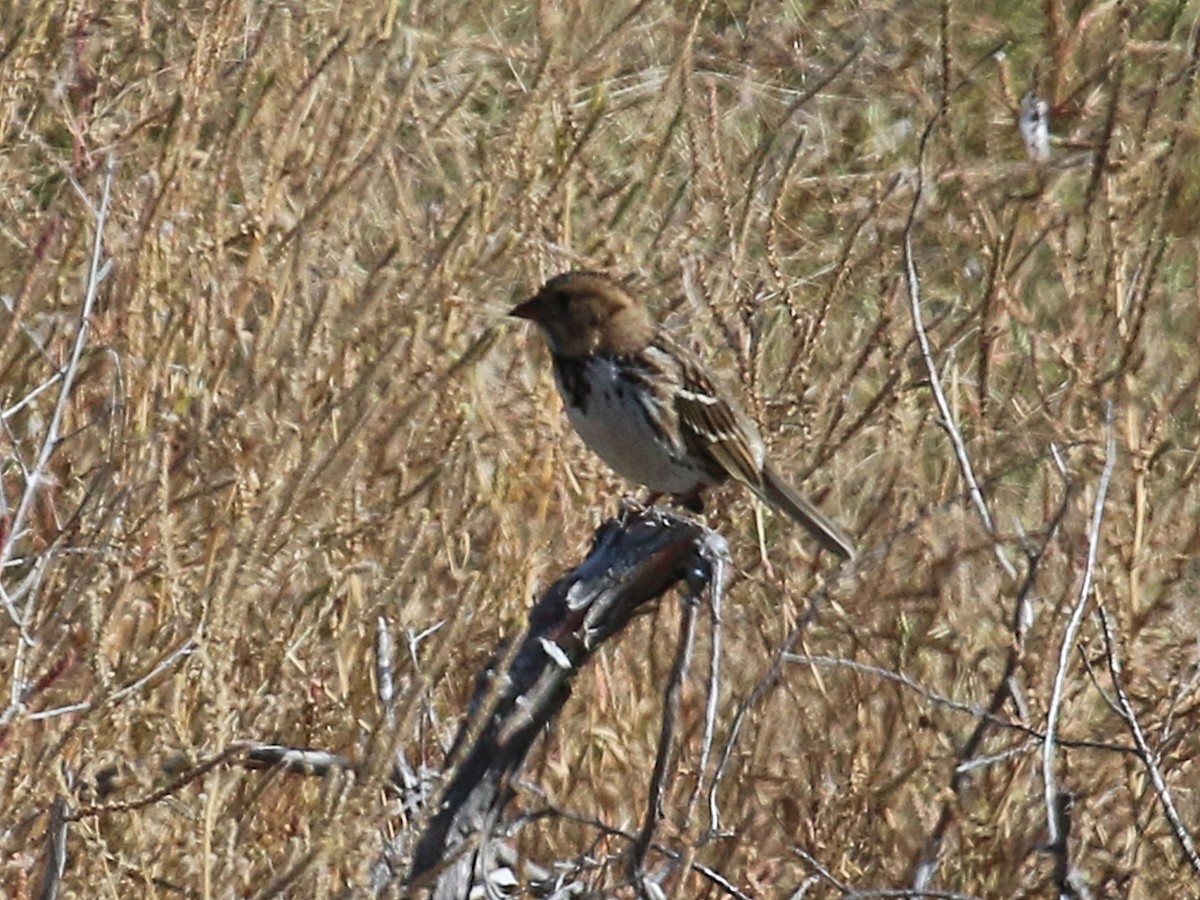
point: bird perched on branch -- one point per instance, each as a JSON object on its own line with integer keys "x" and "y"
{"x": 648, "y": 408}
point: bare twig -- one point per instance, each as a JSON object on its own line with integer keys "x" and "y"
{"x": 195, "y": 772}
{"x": 56, "y": 851}
{"x": 760, "y": 690}
{"x": 1149, "y": 758}
{"x": 850, "y": 893}
{"x": 1054, "y": 827}
{"x": 385, "y": 681}
{"x": 295, "y": 760}
{"x": 37, "y": 474}
{"x": 1066, "y": 879}
{"x": 716, "y": 592}
{"x": 945, "y": 413}
{"x": 660, "y": 781}
{"x": 186, "y": 649}
{"x": 719, "y": 881}
{"x": 822, "y": 870}
{"x": 1008, "y": 687}
{"x": 986, "y": 715}
{"x": 1004, "y": 690}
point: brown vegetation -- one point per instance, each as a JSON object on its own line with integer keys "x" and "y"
{"x": 298, "y": 418}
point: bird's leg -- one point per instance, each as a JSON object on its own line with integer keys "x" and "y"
{"x": 693, "y": 500}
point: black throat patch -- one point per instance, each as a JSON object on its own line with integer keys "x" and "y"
{"x": 572, "y": 375}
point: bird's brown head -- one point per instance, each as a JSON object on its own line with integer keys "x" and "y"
{"x": 584, "y": 313}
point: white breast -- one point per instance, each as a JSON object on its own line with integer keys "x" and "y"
{"x": 615, "y": 425}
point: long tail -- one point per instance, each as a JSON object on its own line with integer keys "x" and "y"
{"x": 779, "y": 494}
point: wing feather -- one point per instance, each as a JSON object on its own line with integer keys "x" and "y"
{"x": 712, "y": 426}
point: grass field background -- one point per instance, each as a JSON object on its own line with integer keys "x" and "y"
{"x": 299, "y": 415}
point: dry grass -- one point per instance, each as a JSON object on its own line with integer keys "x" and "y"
{"x": 299, "y": 409}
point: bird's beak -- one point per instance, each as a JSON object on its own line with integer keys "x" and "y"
{"x": 532, "y": 309}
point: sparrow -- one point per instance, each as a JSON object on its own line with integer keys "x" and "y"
{"x": 648, "y": 408}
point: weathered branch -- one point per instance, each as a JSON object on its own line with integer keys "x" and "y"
{"x": 636, "y": 558}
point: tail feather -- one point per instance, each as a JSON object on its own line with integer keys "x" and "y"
{"x": 780, "y": 495}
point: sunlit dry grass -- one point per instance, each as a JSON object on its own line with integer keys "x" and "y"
{"x": 300, "y": 409}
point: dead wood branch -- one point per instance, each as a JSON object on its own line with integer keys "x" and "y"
{"x": 635, "y": 559}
